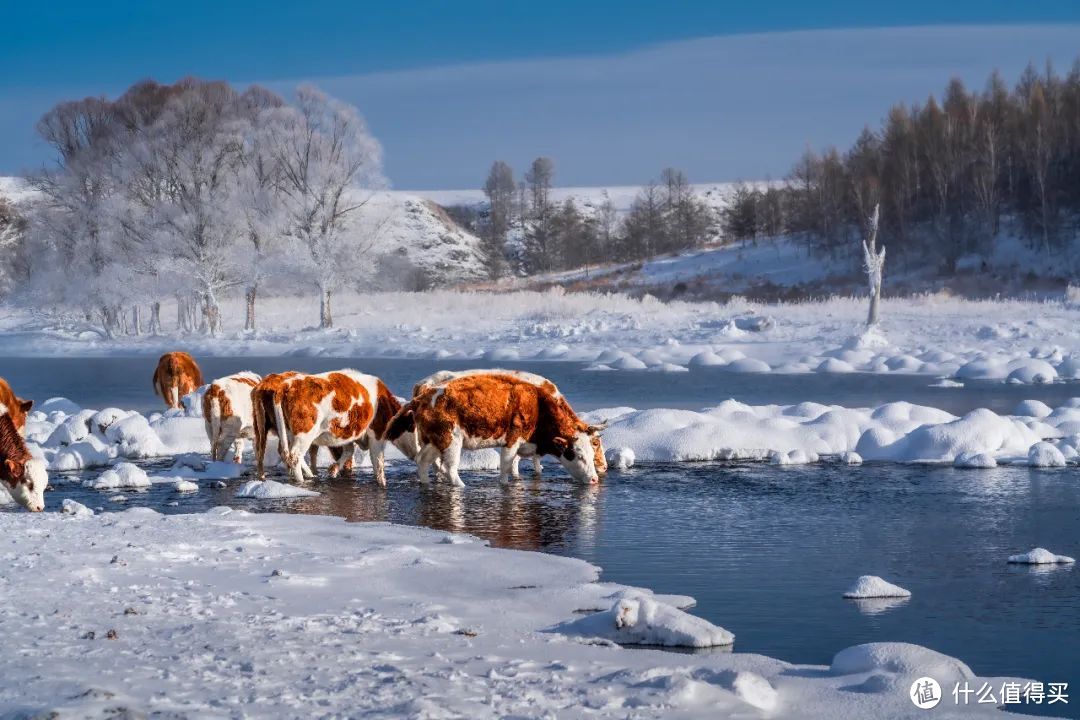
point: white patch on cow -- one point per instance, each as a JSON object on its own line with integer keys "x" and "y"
{"x": 583, "y": 467}
{"x": 31, "y": 494}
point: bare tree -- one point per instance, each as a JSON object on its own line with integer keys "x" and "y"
{"x": 329, "y": 164}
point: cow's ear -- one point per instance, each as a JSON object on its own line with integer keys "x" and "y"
{"x": 595, "y": 429}
{"x": 560, "y": 443}
{"x": 15, "y": 470}
{"x": 26, "y": 405}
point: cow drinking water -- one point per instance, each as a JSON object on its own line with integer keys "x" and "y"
{"x": 489, "y": 409}
{"x": 443, "y": 376}
{"x": 23, "y": 475}
{"x": 176, "y": 375}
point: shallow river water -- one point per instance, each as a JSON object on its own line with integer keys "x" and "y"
{"x": 767, "y": 551}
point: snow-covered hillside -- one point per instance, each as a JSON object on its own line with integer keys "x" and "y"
{"x": 433, "y": 249}
{"x": 420, "y": 232}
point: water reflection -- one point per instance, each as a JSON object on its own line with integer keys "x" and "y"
{"x": 528, "y": 514}
{"x": 879, "y": 606}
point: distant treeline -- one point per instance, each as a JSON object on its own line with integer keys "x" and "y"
{"x": 525, "y": 231}
{"x": 951, "y": 176}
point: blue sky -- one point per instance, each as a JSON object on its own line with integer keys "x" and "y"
{"x": 613, "y": 91}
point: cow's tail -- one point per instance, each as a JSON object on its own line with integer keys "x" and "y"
{"x": 283, "y": 437}
{"x": 258, "y": 424}
{"x": 212, "y": 418}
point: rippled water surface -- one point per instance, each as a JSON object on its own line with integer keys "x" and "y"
{"x": 767, "y": 551}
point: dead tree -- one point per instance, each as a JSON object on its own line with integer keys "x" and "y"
{"x": 874, "y": 261}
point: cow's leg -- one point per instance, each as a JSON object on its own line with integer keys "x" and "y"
{"x": 514, "y": 471}
{"x": 377, "y": 448}
{"x": 427, "y": 455}
{"x": 342, "y": 458}
{"x": 298, "y": 449}
{"x": 538, "y": 469}
{"x": 238, "y": 451}
{"x": 507, "y": 461}
{"x": 451, "y": 458}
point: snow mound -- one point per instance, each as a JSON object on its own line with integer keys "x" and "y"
{"x": 889, "y": 664}
{"x": 272, "y": 490}
{"x": 186, "y": 486}
{"x": 621, "y": 458}
{"x": 76, "y": 509}
{"x": 122, "y": 475}
{"x": 975, "y": 461}
{"x": 642, "y": 620}
{"x": 851, "y": 458}
{"x": 1032, "y": 408}
{"x": 872, "y": 586}
{"x": 1040, "y": 556}
{"x": 1045, "y": 455}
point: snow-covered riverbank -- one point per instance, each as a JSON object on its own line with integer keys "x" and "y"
{"x": 227, "y": 614}
{"x": 72, "y": 439}
{"x": 1010, "y": 339}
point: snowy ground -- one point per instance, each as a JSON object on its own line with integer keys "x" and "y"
{"x": 228, "y": 614}
{"x": 1021, "y": 341}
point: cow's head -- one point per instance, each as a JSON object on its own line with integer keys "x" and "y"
{"x": 401, "y": 431}
{"x": 578, "y": 455}
{"x": 26, "y": 481}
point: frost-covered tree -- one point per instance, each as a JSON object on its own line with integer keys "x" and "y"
{"x": 329, "y": 165}
{"x": 874, "y": 260}
{"x": 260, "y": 190}
{"x": 183, "y": 175}
{"x": 499, "y": 188}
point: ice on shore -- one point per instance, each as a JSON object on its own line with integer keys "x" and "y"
{"x": 1040, "y": 556}
{"x": 803, "y": 433}
{"x": 272, "y": 490}
{"x": 121, "y": 475}
{"x": 872, "y": 586}
{"x": 1045, "y": 455}
{"x": 643, "y": 620}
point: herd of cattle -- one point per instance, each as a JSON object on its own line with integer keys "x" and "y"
{"x": 520, "y": 414}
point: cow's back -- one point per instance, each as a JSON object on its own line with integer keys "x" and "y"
{"x": 13, "y": 405}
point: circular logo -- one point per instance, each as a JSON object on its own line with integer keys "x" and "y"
{"x": 925, "y": 693}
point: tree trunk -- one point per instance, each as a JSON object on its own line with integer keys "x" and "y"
{"x": 875, "y": 266}
{"x": 326, "y": 320}
{"x": 136, "y": 320}
{"x": 181, "y": 315}
{"x": 155, "y": 318}
{"x": 211, "y": 314}
{"x": 249, "y": 316}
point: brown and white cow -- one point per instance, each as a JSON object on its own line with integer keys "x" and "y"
{"x": 498, "y": 410}
{"x": 176, "y": 375}
{"x": 341, "y": 410}
{"x": 227, "y": 414}
{"x": 444, "y": 376}
{"x": 16, "y": 408}
{"x": 23, "y": 474}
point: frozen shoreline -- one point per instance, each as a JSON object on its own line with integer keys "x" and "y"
{"x": 1013, "y": 340}
{"x": 224, "y": 613}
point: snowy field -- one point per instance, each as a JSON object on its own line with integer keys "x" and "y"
{"x": 1018, "y": 341}
{"x": 228, "y": 614}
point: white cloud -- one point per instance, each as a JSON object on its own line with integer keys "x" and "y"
{"x": 742, "y": 106}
